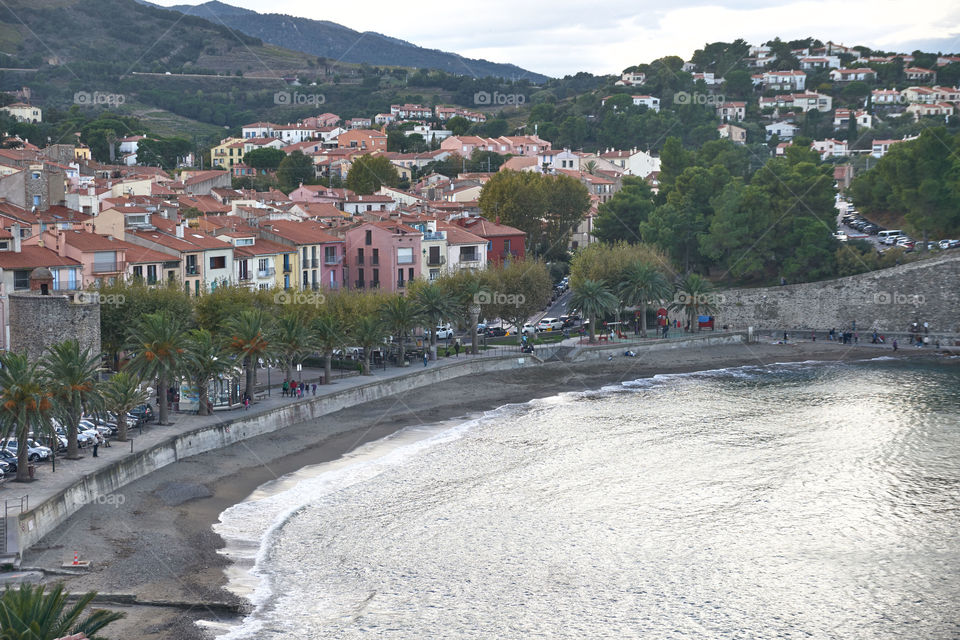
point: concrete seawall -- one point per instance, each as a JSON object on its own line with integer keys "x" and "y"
{"x": 47, "y": 515}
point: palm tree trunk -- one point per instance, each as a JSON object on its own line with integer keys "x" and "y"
{"x": 251, "y": 378}
{"x": 593, "y": 329}
{"x": 433, "y": 344}
{"x": 643, "y": 319}
{"x": 403, "y": 352}
{"x": 366, "y": 361}
{"x": 474, "y": 317}
{"x": 73, "y": 447}
{"x": 288, "y": 369}
{"x": 164, "y": 411}
{"x": 204, "y": 398}
{"x": 23, "y": 461}
{"x": 121, "y": 426}
{"x": 328, "y": 367}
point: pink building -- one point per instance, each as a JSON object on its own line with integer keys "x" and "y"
{"x": 383, "y": 255}
{"x": 318, "y": 260}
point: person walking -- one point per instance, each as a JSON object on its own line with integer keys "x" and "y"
{"x": 314, "y": 388}
{"x": 894, "y": 344}
{"x": 293, "y": 388}
{"x": 456, "y": 347}
{"x": 96, "y": 444}
{"x": 286, "y": 388}
{"x": 425, "y": 358}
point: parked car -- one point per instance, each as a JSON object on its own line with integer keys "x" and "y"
{"x": 444, "y": 331}
{"x": 34, "y": 451}
{"x": 143, "y": 413}
{"x": 570, "y": 319}
{"x": 9, "y": 458}
{"x": 949, "y": 244}
{"x": 495, "y": 332}
{"x": 529, "y": 329}
{"x": 549, "y": 324}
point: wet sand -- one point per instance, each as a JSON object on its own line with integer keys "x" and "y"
{"x": 157, "y": 542}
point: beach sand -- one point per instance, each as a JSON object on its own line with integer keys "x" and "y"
{"x": 158, "y": 544}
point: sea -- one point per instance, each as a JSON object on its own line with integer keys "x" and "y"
{"x": 798, "y": 500}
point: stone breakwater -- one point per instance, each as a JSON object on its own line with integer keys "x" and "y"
{"x": 887, "y": 300}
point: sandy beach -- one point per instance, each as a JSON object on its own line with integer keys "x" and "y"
{"x": 157, "y": 542}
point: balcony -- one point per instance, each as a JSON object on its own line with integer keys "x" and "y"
{"x": 331, "y": 260}
{"x": 110, "y": 267}
{"x": 360, "y": 260}
{"x": 358, "y": 284}
{"x": 434, "y": 236}
{"x": 374, "y": 284}
{"x": 401, "y": 284}
{"x": 310, "y": 263}
{"x": 287, "y": 267}
{"x": 469, "y": 259}
{"x": 245, "y": 277}
{"x": 192, "y": 270}
{"x": 266, "y": 273}
{"x": 436, "y": 261}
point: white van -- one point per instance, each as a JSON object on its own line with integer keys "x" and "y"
{"x": 889, "y": 233}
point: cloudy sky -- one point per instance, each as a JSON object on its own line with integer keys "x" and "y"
{"x": 564, "y": 36}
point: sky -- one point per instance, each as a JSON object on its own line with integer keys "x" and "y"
{"x": 563, "y": 37}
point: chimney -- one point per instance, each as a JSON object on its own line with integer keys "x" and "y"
{"x": 15, "y": 231}
{"x": 180, "y": 229}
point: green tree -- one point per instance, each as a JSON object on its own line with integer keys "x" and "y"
{"x": 437, "y": 305}
{"x": 249, "y": 337}
{"x": 25, "y": 404}
{"x": 156, "y": 344}
{"x": 72, "y": 373}
{"x": 620, "y": 217}
{"x": 205, "y": 358}
{"x": 294, "y": 339}
{"x": 368, "y": 333}
{"x": 517, "y": 290}
{"x": 594, "y": 301}
{"x": 294, "y": 170}
{"x": 458, "y": 125}
{"x": 400, "y": 315}
{"x": 122, "y": 393}
{"x": 328, "y": 334}
{"x": 369, "y": 172}
{"x": 30, "y": 612}
{"x": 694, "y": 297}
{"x": 640, "y": 285}
{"x": 265, "y": 158}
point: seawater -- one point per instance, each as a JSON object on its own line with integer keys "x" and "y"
{"x": 806, "y": 500}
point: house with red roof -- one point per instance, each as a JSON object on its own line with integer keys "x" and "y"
{"x": 504, "y": 243}
{"x": 318, "y": 258}
{"x": 383, "y": 255}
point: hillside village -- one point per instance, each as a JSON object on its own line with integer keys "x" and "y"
{"x": 92, "y": 223}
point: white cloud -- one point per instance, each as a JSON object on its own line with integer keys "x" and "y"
{"x": 564, "y": 37}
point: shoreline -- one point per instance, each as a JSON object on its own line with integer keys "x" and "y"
{"x": 159, "y": 544}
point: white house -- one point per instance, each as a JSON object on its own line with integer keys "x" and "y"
{"x": 128, "y": 149}
{"x": 732, "y": 111}
{"x": 783, "y": 130}
{"x": 559, "y": 159}
{"x": 708, "y": 79}
{"x": 784, "y": 80}
{"x": 649, "y": 102}
{"x": 830, "y": 148}
{"x": 819, "y": 62}
{"x": 258, "y": 130}
{"x": 428, "y": 133}
{"x": 863, "y": 74}
{"x": 634, "y": 78}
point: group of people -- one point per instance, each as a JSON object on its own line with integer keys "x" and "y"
{"x": 295, "y": 389}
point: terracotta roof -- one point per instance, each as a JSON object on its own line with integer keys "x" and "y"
{"x": 30, "y": 257}
{"x": 203, "y": 176}
{"x": 299, "y": 232}
{"x": 487, "y": 229}
{"x": 459, "y": 235}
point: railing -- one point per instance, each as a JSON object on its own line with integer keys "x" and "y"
{"x": 468, "y": 259}
{"x": 360, "y": 260}
{"x": 113, "y": 267}
{"x": 374, "y": 284}
{"x": 193, "y": 271}
{"x": 436, "y": 261}
{"x": 375, "y": 261}
{"x": 359, "y": 284}
{"x": 245, "y": 277}
{"x": 401, "y": 284}
{"x": 287, "y": 267}
{"x": 332, "y": 259}
{"x": 310, "y": 263}
{"x": 266, "y": 273}
{"x": 434, "y": 235}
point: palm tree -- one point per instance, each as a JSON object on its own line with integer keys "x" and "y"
{"x": 694, "y": 296}
{"x": 25, "y": 405}
{"x": 641, "y": 284}
{"x": 594, "y": 300}
{"x": 205, "y": 358}
{"x": 590, "y": 167}
{"x": 157, "y": 342}
{"x": 367, "y": 333}
{"x": 121, "y": 393}
{"x": 73, "y": 374}
{"x": 29, "y": 613}
{"x": 400, "y": 315}
{"x": 327, "y": 335}
{"x": 251, "y": 340}
{"x": 436, "y": 306}
{"x": 294, "y": 340}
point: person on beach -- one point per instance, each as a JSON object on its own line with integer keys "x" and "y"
{"x": 894, "y": 344}
{"x": 813, "y": 336}
{"x": 286, "y": 388}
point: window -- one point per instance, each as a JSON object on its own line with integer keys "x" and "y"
{"x": 218, "y": 262}
{"x": 192, "y": 265}
{"x": 400, "y": 278}
{"x": 410, "y": 275}
{"x": 21, "y": 280}
{"x": 3, "y": 245}
{"x": 368, "y": 237}
{"x": 36, "y": 201}
{"x": 138, "y": 271}
{"x": 263, "y": 264}
{"x": 330, "y": 255}
{"x": 244, "y": 242}
{"x": 151, "y": 273}
{"x": 376, "y": 257}
{"x": 405, "y": 255}
{"x": 359, "y": 256}
{"x": 506, "y": 245}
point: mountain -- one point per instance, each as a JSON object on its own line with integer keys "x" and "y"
{"x": 330, "y": 40}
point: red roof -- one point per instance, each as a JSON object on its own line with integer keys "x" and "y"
{"x": 31, "y": 257}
